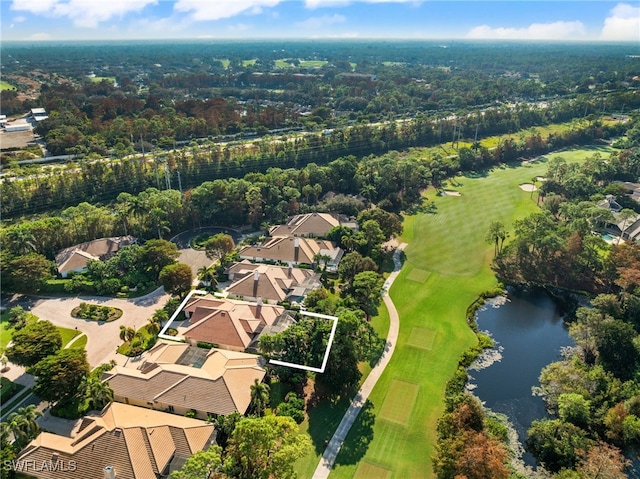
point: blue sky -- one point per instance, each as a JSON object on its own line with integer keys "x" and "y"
{"x": 246, "y": 19}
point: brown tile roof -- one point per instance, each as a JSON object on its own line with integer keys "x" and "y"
{"x": 221, "y": 385}
{"x": 146, "y": 387}
{"x": 310, "y": 224}
{"x": 269, "y": 282}
{"x": 200, "y": 394}
{"x": 289, "y": 250}
{"x": 76, "y": 257}
{"x": 230, "y": 324}
{"x": 122, "y": 437}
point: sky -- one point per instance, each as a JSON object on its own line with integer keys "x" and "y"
{"x": 55, "y": 20}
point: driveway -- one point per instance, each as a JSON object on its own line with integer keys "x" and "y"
{"x": 103, "y": 338}
{"x": 196, "y": 259}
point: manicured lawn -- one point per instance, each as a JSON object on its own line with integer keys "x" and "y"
{"x": 80, "y": 343}
{"x": 447, "y": 266}
{"x": 6, "y": 86}
{"x": 99, "y": 79}
{"x": 324, "y": 418}
{"x": 67, "y": 334}
{"x": 6, "y": 331}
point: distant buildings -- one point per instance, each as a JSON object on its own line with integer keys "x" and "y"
{"x": 17, "y": 125}
{"x": 39, "y": 114}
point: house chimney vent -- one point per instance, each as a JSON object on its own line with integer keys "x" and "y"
{"x": 109, "y": 472}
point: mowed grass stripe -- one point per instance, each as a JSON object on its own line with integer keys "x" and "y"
{"x": 366, "y": 470}
{"x": 418, "y": 275}
{"x": 399, "y": 402}
{"x": 440, "y": 305}
{"x": 422, "y": 338}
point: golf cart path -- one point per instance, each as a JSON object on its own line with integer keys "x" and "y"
{"x": 333, "y": 448}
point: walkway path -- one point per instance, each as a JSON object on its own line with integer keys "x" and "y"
{"x": 331, "y": 452}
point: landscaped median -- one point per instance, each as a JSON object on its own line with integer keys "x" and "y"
{"x": 94, "y": 312}
{"x": 447, "y": 268}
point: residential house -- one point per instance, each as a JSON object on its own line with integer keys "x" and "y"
{"x": 628, "y": 229}
{"x": 270, "y": 283}
{"x": 75, "y": 258}
{"x": 123, "y": 442}
{"x": 310, "y": 225}
{"x": 610, "y": 203}
{"x": 232, "y": 325}
{"x": 179, "y": 377}
{"x": 39, "y": 114}
{"x": 295, "y": 251}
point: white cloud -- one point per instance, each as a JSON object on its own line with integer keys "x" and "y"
{"x": 81, "y": 12}
{"x": 34, "y": 6}
{"x": 218, "y": 9}
{"x": 324, "y": 21}
{"x": 536, "y": 31}
{"x": 623, "y": 24}
{"x": 38, "y": 37}
{"x": 341, "y": 3}
{"x": 20, "y": 19}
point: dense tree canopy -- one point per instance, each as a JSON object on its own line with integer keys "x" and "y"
{"x": 59, "y": 375}
{"x": 33, "y": 343}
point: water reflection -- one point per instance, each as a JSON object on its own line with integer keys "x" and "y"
{"x": 529, "y": 334}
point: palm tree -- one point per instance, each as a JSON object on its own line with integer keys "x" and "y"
{"x": 20, "y": 240}
{"x": 127, "y": 333}
{"x": 154, "y": 325}
{"x": 208, "y": 274}
{"x": 325, "y": 258}
{"x": 97, "y": 392}
{"x": 16, "y": 426}
{"x": 496, "y": 235}
{"x": 22, "y": 424}
{"x": 259, "y": 396}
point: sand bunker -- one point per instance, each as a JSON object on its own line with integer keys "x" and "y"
{"x": 528, "y": 187}
{"x": 450, "y": 193}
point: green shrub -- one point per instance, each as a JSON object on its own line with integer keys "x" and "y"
{"x": 293, "y": 406}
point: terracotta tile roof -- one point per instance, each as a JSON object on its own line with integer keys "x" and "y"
{"x": 124, "y": 440}
{"x": 230, "y": 324}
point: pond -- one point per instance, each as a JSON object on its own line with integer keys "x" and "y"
{"x": 529, "y": 334}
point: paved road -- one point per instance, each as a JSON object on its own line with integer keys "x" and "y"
{"x": 333, "y": 448}
{"x": 103, "y": 338}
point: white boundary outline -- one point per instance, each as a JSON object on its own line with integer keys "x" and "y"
{"x": 326, "y": 353}
{"x": 175, "y": 314}
{"x": 271, "y": 361}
